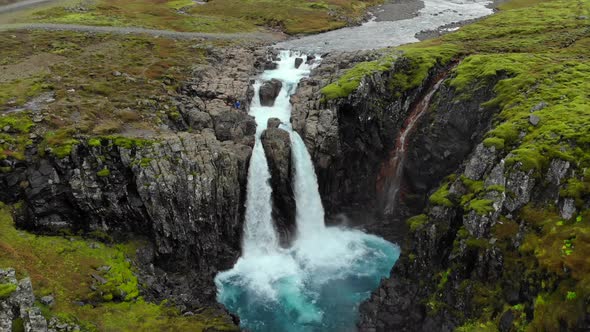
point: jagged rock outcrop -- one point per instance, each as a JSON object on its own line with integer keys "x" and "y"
{"x": 348, "y": 138}
{"x": 269, "y": 91}
{"x": 17, "y": 302}
{"x": 185, "y": 192}
{"x": 277, "y": 147}
{"x": 18, "y": 310}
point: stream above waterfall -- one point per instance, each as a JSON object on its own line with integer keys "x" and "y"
{"x": 318, "y": 282}
{"x": 376, "y": 34}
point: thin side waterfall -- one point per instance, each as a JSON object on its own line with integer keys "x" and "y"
{"x": 390, "y": 175}
{"x": 318, "y": 283}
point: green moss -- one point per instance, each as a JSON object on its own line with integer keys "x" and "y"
{"x": 18, "y": 325}
{"x": 477, "y": 327}
{"x": 105, "y": 172}
{"x": 440, "y": 197}
{"x": 145, "y": 162}
{"x": 94, "y": 142}
{"x": 412, "y": 68}
{"x": 571, "y": 296}
{"x": 14, "y": 130}
{"x": 60, "y": 142}
{"x": 496, "y": 187}
{"x": 472, "y": 185}
{"x": 444, "y": 278}
{"x": 350, "y": 81}
{"x": 20, "y": 123}
{"x": 6, "y": 290}
{"x": 481, "y": 206}
{"x": 576, "y": 189}
{"x": 496, "y": 142}
{"x": 416, "y": 222}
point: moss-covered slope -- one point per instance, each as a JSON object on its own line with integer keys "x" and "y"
{"x": 503, "y": 244}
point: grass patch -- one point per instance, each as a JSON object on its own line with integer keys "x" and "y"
{"x": 221, "y": 16}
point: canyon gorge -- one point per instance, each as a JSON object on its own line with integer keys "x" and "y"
{"x": 331, "y": 182}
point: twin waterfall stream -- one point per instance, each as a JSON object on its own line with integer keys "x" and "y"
{"x": 317, "y": 283}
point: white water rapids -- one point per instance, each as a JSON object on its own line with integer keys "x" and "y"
{"x": 317, "y": 284}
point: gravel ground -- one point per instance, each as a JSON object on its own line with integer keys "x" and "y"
{"x": 263, "y": 36}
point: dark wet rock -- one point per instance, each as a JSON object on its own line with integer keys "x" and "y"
{"x": 520, "y": 184}
{"x": 277, "y": 147}
{"x": 506, "y": 320}
{"x": 269, "y": 65}
{"x": 480, "y": 162}
{"x": 298, "y": 62}
{"x": 269, "y": 91}
{"x": 47, "y": 300}
{"x": 273, "y": 123}
{"x": 198, "y": 120}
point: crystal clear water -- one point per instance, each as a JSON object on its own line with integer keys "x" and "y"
{"x": 318, "y": 283}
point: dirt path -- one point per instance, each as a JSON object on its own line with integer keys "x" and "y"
{"x": 263, "y": 36}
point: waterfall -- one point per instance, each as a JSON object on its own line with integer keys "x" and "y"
{"x": 318, "y": 283}
{"x": 390, "y": 176}
{"x": 260, "y": 236}
{"x": 259, "y": 233}
{"x": 310, "y": 212}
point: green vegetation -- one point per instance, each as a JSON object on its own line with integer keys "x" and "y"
{"x": 6, "y": 290}
{"x": 412, "y": 67}
{"x": 290, "y": 16}
{"x": 87, "y": 79}
{"x": 440, "y": 197}
{"x": 416, "y": 222}
{"x": 14, "y": 135}
{"x": 64, "y": 267}
{"x": 481, "y": 206}
{"x": 105, "y": 172}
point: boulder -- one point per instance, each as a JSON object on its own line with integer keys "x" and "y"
{"x": 269, "y": 91}
{"x": 273, "y": 123}
{"x": 298, "y": 62}
{"x": 277, "y": 148}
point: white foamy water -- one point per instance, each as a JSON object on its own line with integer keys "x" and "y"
{"x": 374, "y": 35}
{"x": 327, "y": 271}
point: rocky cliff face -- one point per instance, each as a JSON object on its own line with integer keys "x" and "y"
{"x": 495, "y": 239}
{"x": 183, "y": 189}
{"x": 348, "y": 138}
